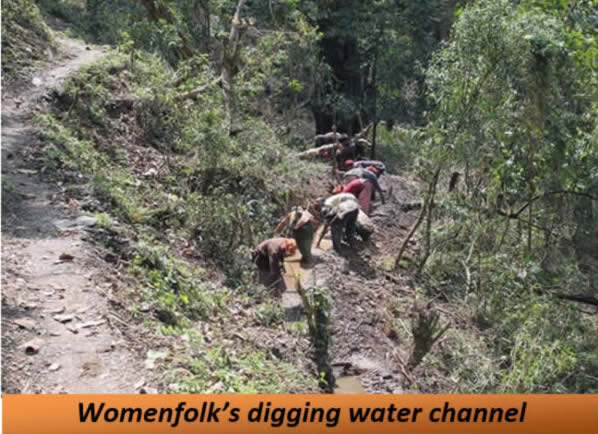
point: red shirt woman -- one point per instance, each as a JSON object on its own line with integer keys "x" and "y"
{"x": 362, "y": 189}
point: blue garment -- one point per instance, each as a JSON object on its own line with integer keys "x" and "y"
{"x": 364, "y": 164}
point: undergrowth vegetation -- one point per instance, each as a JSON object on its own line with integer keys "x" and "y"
{"x": 168, "y": 174}
{"x": 502, "y": 246}
{"x": 25, "y": 38}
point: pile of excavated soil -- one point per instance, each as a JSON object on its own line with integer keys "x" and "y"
{"x": 364, "y": 294}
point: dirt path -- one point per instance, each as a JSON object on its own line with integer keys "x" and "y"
{"x": 62, "y": 307}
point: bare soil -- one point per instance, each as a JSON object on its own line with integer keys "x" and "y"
{"x": 364, "y": 348}
{"x": 62, "y": 327}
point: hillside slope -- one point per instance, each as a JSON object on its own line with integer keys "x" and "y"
{"x": 182, "y": 147}
{"x": 26, "y": 39}
{"x": 60, "y": 331}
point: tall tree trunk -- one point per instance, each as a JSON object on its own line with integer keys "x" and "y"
{"x": 230, "y": 60}
{"x": 446, "y": 16}
{"x": 199, "y": 22}
{"x": 158, "y": 12}
{"x": 374, "y": 104}
{"x": 339, "y": 49}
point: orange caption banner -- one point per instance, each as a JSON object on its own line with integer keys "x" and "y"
{"x": 541, "y": 414}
